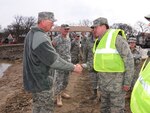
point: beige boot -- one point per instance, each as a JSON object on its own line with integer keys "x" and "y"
{"x": 65, "y": 95}
{"x": 59, "y": 100}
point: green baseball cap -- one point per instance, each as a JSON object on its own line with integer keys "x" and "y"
{"x": 100, "y": 21}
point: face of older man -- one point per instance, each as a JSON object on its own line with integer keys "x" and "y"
{"x": 46, "y": 25}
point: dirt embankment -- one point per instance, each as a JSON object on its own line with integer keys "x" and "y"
{"x": 15, "y": 100}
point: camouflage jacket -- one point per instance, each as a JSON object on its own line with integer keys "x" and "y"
{"x": 136, "y": 55}
{"x": 88, "y": 53}
{"x": 83, "y": 42}
{"x": 137, "y": 60}
{"x": 75, "y": 47}
{"x": 63, "y": 47}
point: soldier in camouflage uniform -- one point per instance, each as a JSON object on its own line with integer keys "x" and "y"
{"x": 88, "y": 58}
{"x": 62, "y": 45}
{"x": 114, "y": 85}
{"x": 39, "y": 57}
{"x": 136, "y": 51}
{"x": 75, "y": 49}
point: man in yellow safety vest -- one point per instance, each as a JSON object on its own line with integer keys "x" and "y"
{"x": 114, "y": 64}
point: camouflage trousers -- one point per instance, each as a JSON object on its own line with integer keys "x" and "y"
{"x": 43, "y": 102}
{"x": 94, "y": 79}
{"x": 112, "y": 95}
{"x": 112, "y": 102}
{"x": 61, "y": 82}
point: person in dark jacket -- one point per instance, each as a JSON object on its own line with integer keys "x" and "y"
{"x": 39, "y": 58}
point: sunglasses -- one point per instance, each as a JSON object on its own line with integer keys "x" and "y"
{"x": 66, "y": 29}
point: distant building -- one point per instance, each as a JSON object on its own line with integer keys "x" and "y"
{"x": 56, "y": 30}
{"x": 74, "y": 29}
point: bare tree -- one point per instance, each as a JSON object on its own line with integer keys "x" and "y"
{"x": 127, "y": 28}
{"x": 72, "y": 24}
{"x": 85, "y": 22}
{"x": 17, "y": 26}
{"x": 141, "y": 27}
{"x": 20, "y": 26}
{"x": 27, "y": 23}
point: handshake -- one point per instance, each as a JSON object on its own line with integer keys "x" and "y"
{"x": 78, "y": 68}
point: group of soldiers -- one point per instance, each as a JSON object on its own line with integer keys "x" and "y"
{"x": 78, "y": 48}
{"x": 106, "y": 54}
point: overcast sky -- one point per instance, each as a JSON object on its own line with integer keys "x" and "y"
{"x": 73, "y": 11}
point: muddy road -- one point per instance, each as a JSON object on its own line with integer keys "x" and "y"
{"x": 15, "y": 100}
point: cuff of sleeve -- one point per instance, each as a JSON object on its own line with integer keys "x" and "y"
{"x": 84, "y": 66}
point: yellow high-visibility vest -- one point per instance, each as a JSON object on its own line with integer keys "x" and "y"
{"x": 106, "y": 56}
{"x": 140, "y": 97}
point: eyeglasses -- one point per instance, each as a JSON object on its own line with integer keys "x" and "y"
{"x": 131, "y": 42}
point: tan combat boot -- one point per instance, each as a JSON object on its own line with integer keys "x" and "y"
{"x": 59, "y": 100}
{"x": 65, "y": 95}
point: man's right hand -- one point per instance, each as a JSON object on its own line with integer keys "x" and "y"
{"x": 126, "y": 88}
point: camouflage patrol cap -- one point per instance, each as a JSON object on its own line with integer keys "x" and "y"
{"x": 100, "y": 21}
{"x": 132, "y": 39}
{"x": 46, "y": 15}
{"x": 78, "y": 34}
{"x": 66, "y": 26}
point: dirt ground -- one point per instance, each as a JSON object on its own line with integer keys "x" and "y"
{"x": 15, "y": 100}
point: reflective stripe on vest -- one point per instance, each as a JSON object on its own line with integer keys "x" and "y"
{"x": 106, "y": 53}
{"x": 146, "y": 87}
{"x": 107, "y": 49}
